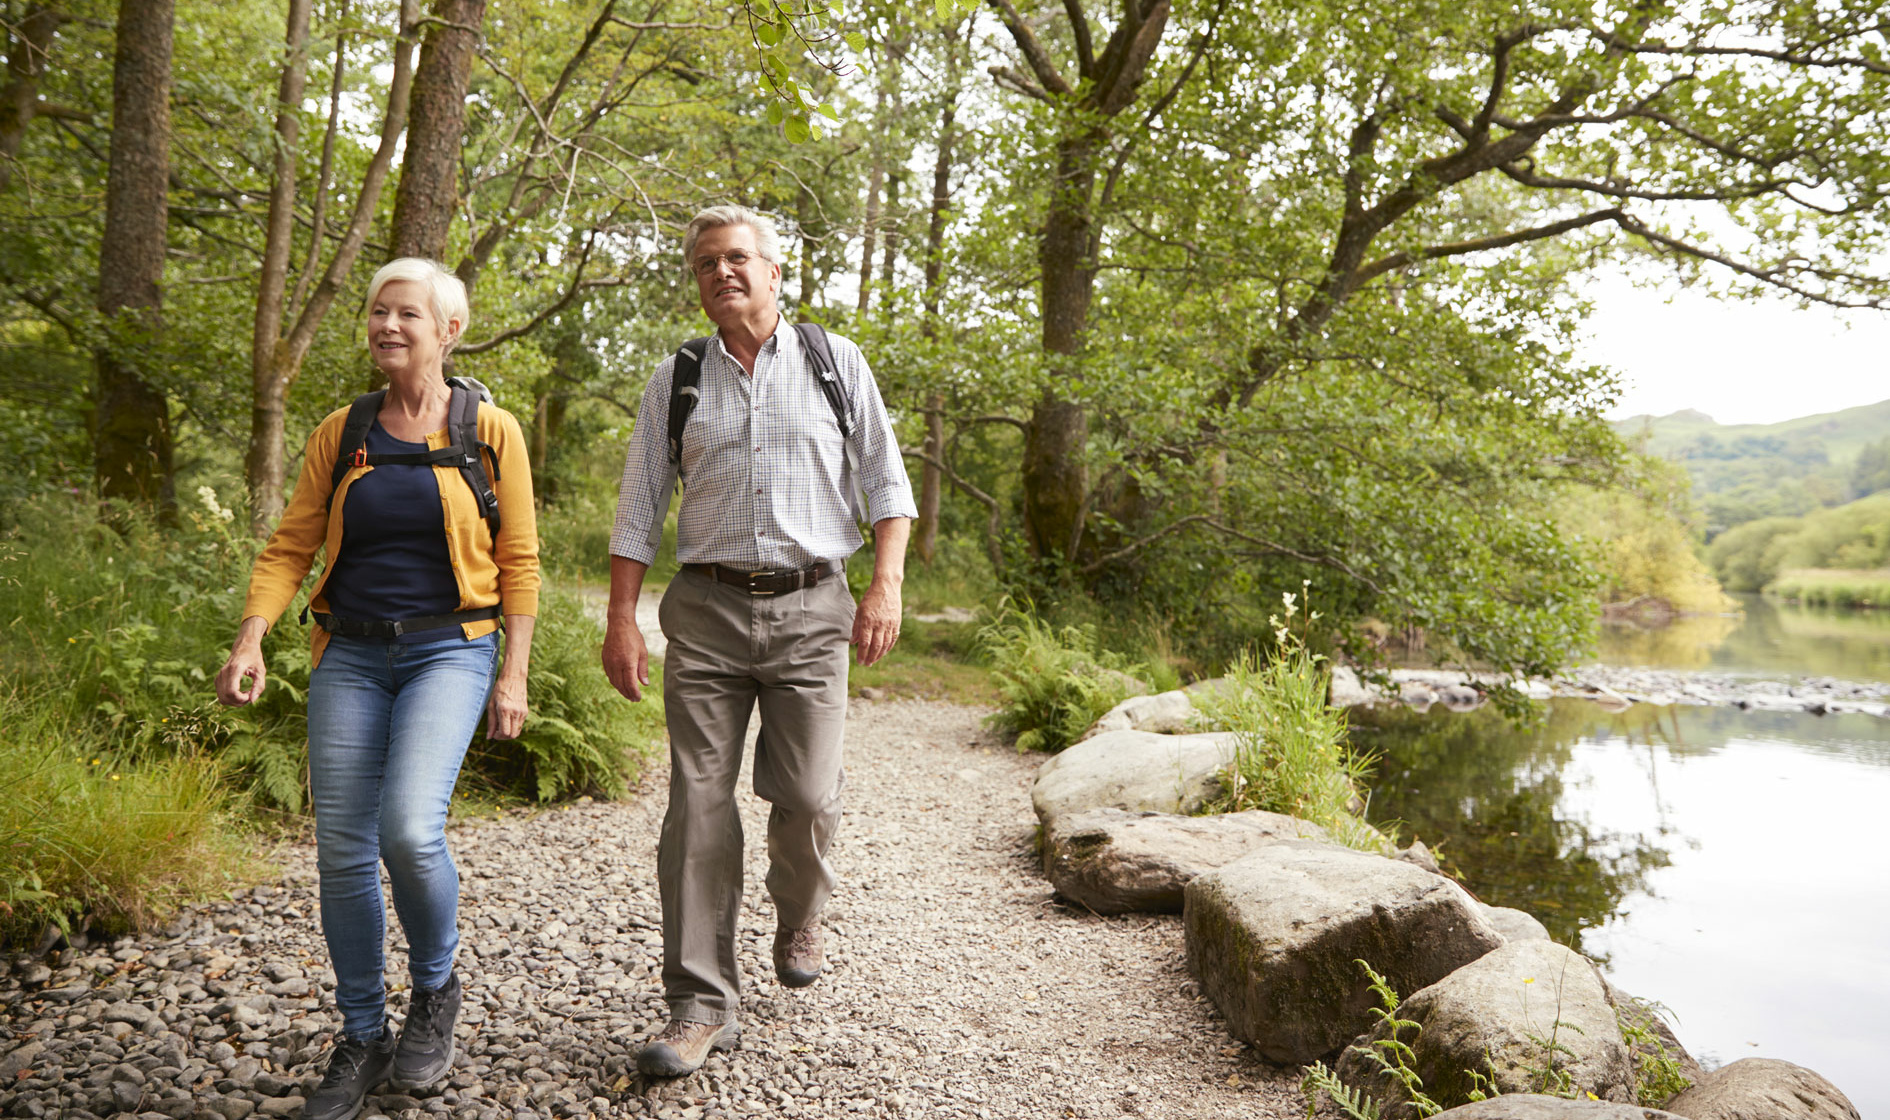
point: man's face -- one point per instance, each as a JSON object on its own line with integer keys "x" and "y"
{"x": 729, "y": 294}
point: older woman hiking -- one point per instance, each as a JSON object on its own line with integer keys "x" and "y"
{"x": 422, "y": 498}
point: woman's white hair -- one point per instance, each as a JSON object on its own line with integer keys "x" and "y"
{"x": 767, "y": 238}
{"x": 445, "y": 291}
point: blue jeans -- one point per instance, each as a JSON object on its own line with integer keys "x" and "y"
{"x": 388, "y": 726}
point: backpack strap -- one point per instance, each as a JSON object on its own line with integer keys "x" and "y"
{"x": 475, "y": 456}
{"x": 685, "y": 391}
{"x": 464, "y": 449}
{"x": 354, "y": 438}
{"x": 820, "y": 357}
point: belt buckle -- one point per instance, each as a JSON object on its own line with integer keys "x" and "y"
{"x": 753, "y": 576}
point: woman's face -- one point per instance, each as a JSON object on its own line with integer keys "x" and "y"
{"x": 404, "y": 335}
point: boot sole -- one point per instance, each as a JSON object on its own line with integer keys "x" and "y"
{"x": 430, "y": 1078}
{"x": 667, "y": 1063}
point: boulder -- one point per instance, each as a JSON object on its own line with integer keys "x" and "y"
{"x": 1762, "y": 1089}
{"x": 1165, "y": 713}
{"x": 1419, "y": 855}
{"x": 1650, "y": 1040}
{"x": 1459, "y": 697}
{"x": 1115, "y": 862}
{"x": 1514, "y": 924}
{"x": 1525, "y": 1106}
{"x": 1133, "y": 770}
{"x": 1532, "y": 1016}
{"x": 1348, "y": 691}
{"x": 1273, "y": 938}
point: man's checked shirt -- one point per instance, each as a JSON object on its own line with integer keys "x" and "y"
{"x": 763, "y": 465}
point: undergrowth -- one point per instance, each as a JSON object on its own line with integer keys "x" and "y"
{"x": 1055, "y": 681}
{"x": 1291, "y": 754}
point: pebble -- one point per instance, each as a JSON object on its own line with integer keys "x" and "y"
{"x": 940, "y": 931}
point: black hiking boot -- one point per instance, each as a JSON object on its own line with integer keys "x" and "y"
{"x": 355, "y": 1067}
{"x": 425, "y": 1053}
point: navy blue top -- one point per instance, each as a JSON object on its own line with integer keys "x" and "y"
{"x": 393, "y": 563}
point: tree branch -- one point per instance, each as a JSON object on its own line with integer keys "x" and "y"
{"x": 1500, "y": 241}
{"x": 1034, "y": 54}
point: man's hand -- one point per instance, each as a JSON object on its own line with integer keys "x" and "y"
{"x": 876, "y": 623}
{"x": 626, "y": 659}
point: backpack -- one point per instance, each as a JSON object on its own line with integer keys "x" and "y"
{"x": 464, "y": 449}
{"x": 684, "y": 394}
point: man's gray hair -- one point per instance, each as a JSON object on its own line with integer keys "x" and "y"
{"x": 767, "y": 238}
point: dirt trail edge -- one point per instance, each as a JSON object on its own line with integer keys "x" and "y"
{"x": 956, "y": 986}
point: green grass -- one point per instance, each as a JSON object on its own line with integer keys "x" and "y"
{"x": 86, "y": 839}
{"x": 1291, "y": 754}
{"x": 1054, "y": 681}
{"x": 1828, "y": 587}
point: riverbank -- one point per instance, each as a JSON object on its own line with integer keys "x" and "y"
{"x": 958, "y": 986}
{"x": 1617, "y": 686}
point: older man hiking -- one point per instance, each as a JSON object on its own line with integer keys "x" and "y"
{"x": 784, "y": 435}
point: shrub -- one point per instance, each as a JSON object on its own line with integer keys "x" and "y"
{"x": 1053, "y": 682}
{"x": 86, "y": 839}
{"x": 1290, "y": 754}
{"x": 1822, "y": 587}
{"x": 580, "y": 736}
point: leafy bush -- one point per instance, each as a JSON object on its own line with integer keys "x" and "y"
{"x": 1291, "y": 754}
{"x": 1053, "y": 681}
{"x": 1820, "y": 587}
{"x": 580, "y": 736}
{"x": 87, "y": 839}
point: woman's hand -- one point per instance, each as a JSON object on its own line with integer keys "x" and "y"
{"x": 505, "y": 711}
{"x": 242, "y": 677}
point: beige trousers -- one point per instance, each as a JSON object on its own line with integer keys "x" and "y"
{"x": 728, "y": 651}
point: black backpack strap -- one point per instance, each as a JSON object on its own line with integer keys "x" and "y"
{"x": 353, "y": 449}
{"x": 820, "y": 356}
{"x": 685, "y": 381}
{"x": 474, "y": 455}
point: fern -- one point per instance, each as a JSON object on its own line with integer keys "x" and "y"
{"x": 1355, "y": 1103}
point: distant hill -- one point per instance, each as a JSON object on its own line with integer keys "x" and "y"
{"x": 1742, "y": 472}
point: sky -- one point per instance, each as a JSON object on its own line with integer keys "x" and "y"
{"x": 1740, "y": 362}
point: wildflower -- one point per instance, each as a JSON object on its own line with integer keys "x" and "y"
{"x": 114, "y": 777}
{"x": 1529, "y": 980}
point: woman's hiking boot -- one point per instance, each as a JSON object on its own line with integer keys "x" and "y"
{"x": 425, "y": 1053}
{"x": 355, "y": 1066}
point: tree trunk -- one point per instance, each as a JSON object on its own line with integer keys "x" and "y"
{"x": 889, "y": 235}
{"x": 270, "y": 371}
{"x": 276, "y": 355}
{"x": 931, "y": 477}
{"x": 28, "y": 44}
{"x": 1056, "y": 468}
{"x": 132, "y": 429}
{"x": 429, "y": 177}
{"x": 871, "y": 232}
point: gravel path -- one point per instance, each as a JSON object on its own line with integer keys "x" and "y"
{"x": 956, "y": 986}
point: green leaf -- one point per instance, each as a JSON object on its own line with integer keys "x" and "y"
{"x": 777, "y": 112}
{"x": 797, "y": 131}
{"x": 827, "y": 111}
{"x": 856, "y": 42}
{"x": 768, "y": 34}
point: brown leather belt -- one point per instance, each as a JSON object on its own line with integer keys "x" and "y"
{"x": 767, "y": 581}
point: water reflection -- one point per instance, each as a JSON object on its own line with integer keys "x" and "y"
{"x": 1487, "y": 792}
{"x": 1722, "y": 861}
{"x": 1770, "y": 640}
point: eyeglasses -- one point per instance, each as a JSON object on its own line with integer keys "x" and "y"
{"x": 737, "y": 260}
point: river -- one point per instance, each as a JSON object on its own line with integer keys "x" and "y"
{"x": 1729, "y": 864}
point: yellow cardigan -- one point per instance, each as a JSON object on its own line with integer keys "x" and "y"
{"x": 488, "y": 572}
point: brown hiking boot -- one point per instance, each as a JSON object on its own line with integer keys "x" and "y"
{"x": 681, "y": 1047}
{"x": 798, "y": 958}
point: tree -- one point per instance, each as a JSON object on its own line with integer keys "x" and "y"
{"x": 277, "y": 354}
{"x": 132, "y": 423}
{"x": 1293, "y": 294}
{"x": 429, "y": 174}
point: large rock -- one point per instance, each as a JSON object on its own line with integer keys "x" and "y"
{"x": 1762, "y": 1089}
{"x": 1115, "y": 862}
{"x": 1273, "y": 938}
{"x": 1165, "y": 713}
{"x": 1133, "y": 770}
{"x": 1523, "y": 1106}
{"x": 1533, "y": 1017}
{"x": 1348, "y": 691}
{"x": 1514, "y": 924}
